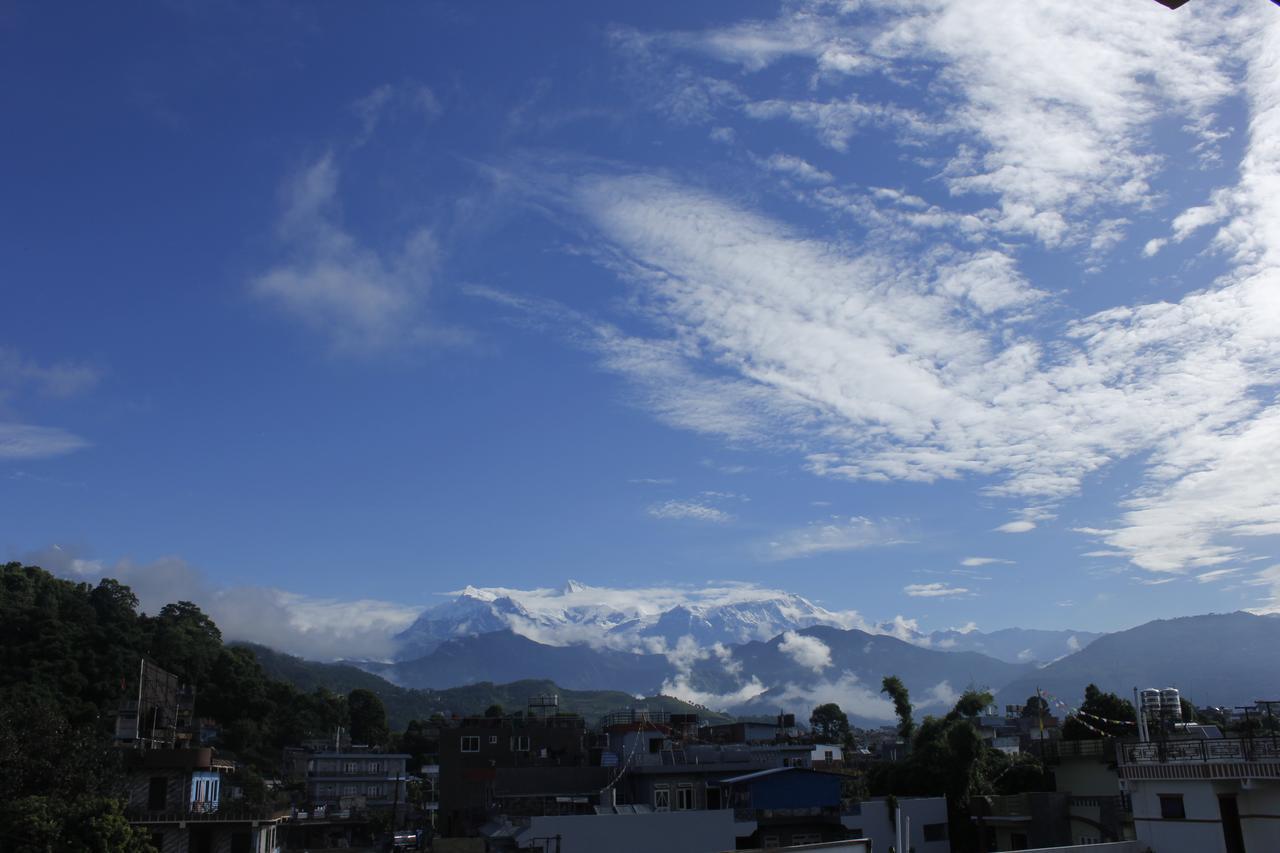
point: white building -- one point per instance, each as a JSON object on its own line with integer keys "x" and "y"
{"x": 1205, "y": 796}
{"x": 925, "y": 818}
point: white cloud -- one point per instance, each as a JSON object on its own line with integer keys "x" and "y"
{"x": 834, "y": 535}
{"x": 1050, "y": 102}
{"x": 974, "y": 562}
{"x": 915, "y": 361}
{"x": 806, "y": 651}
{"x": 311, "y": 627}
{"x": 689, "y": 510}
{"x": 934, "y": 590}
{"x": 853, "y": 697}
{"x": 797, "y": 168}
{"x": 680, "y": 687}
{"x": 902, "y": 628}
{"x": 1017, "y": 527}
{"x": 389, "y": 100}
{"x": 1215, "y": 575}
{"x": 1073, "y": 642}
{"x": 61, "y": 379}
{"x": 1270, "y": 578}
{"x": 940, "y": 694}
{"x": 28, "y": 441}
{"x": 362, "y": 299}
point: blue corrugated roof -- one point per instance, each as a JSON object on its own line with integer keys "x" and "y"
{"x": 760, "y": 774}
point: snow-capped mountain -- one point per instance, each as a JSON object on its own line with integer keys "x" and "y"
{"x": 652, "y": 619}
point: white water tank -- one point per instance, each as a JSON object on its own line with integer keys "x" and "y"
{"x": 1170, "y": 704}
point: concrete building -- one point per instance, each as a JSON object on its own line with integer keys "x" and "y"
{"x": 473, "y": 752}
{"x": 923, "y": 820}
{"x": 1022, "y": 821}
{"x": 1204, "y": 795}
{"x": 1086, "y": 771}
{"x": 790, "y": 805}
{"x": 356, "y": 779}
{"x": 629, "y": 831}
{"x": 181, "y": 799}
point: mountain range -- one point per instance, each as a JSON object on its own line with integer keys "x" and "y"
{"x": 749, "y": 650}
{"x": 656, "y": 620}
{"x": 1218, "y": 659}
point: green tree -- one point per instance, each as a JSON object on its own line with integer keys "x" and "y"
{"x": 1101, "y": 708}
{"x": 829, "y": 723}
{"x": 185, "y": 641}
{"x": 493, "y": 711}
{"x": 421, "y": 740}
{"x": 1036, "y": 707}
{"x": 61, "y": 788}
{"x": 897, "y": 691}
{"x": 368, "y": 717}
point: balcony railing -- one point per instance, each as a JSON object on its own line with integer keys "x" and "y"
{"x": 1203, "y": 751}
{"x": 231, "y": 814}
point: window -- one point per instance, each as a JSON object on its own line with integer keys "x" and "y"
{"x": 520, "y": 743}
{"x": 1171, "y": 807}
{"x": 327, "y": 790}
{"x": 770, "y": 841}
{"x": 350, "y": 767}
{"x": 806, "y": 838}
{"x": 661, "y": 799}
{"x": 493, "y": 740}
{"x": 373, "y": 791}
{"x": 713, "y": 798}
{"x": 471, "y": 743}
{"x": 157, "y": 793}
{"x": 684, "y": 798}
{"x": 828, "y": 756}
{"x": 375, "y": 766}
{"x": 348, "y": 790}
{"x": 935, "y": 832}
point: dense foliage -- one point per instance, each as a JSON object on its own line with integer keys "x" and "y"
{"x": 948, "y": 756}
{"x": 1106, "y": 713}
{"x": 829, "y": 723}
{"x": 60, "y": 789}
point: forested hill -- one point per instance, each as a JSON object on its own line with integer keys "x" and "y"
{"x": 76, "y": 648}
{"x": 404, "y": 704}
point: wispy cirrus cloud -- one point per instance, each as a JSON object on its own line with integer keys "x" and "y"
{"x": 935, "y": 590}
{"x": 928, "y": 352}
{"x": 59, "y": 379}
{"x": 24, "y": 377}
{"x": 832, "y": 535}
{"x": 974, "y": 562}
{"x": 1047, "y": 104}
{"x": 689, "y": 510}
{"x": 27, "y": 441}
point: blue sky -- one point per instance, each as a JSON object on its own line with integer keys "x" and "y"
{"x": 937, "y": 310}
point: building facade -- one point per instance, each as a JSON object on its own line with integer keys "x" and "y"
{"x": 1204, "y": 795}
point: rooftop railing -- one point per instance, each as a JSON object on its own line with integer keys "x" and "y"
{"x": 1202, "y": 751}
